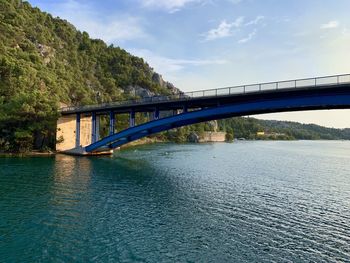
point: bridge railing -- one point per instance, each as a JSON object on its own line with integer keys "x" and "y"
{"x": 226, "y": 91}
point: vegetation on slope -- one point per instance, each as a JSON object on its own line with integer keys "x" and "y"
{"x": 249, "y": 129}
{"x": 45, "y": 61}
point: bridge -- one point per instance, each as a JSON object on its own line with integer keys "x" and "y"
{"x": 78, "y": 127}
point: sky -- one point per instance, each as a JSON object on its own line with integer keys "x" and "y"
{"x": 205, "y": 44}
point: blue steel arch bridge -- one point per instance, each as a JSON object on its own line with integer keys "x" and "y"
{"x": 329, "y": 92}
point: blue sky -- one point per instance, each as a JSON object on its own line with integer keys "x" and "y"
{"x": 202, "y": 44}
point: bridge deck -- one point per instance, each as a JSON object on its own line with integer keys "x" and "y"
{"x": 208, "y": 98}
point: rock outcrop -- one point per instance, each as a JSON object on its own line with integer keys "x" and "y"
{"x": 46, "y": 52}
{"x": 138, "y": 91}
{"x": 157, "y": 78}
{"x": 142, "y": 92}
{"x": 213, "y": 125}
{"x": 193, "y": 137}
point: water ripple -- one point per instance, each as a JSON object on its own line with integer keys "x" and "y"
{"x": 243, "y": 202}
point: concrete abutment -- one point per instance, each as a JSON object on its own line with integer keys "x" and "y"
{"x": 76, "y": 131}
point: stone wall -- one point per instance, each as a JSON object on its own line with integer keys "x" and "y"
{"x": 213, "y": 137}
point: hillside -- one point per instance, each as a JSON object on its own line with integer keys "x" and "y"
{"x": 306, "y": 131}
{"x": 249, "y": 127}
{"x": 45, "y": 61}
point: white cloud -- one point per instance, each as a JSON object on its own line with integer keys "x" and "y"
{"x": 112, "y": 28}
{"x": 224, "y": 29}
{"x": 330, "y": 25}
{"x": 255, "y": 21}
{"x": 168, "y": 65}
{"x": 168, "y": 5}
{"x": 248, "y": 38}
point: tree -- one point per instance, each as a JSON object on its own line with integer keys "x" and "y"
{"x": 45, "y": 61}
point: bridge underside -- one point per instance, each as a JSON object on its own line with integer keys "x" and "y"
{"x": 220, "y": 108}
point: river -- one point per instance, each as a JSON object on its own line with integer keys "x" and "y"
{"x": 264, "y": 201}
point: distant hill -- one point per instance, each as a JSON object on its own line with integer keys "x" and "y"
{"x": 256, "y": 129}
{"x": 45, "y": 61}
{"x": 249, "y": 127}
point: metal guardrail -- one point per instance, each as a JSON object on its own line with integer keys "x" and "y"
{"x": 235, "y": 90}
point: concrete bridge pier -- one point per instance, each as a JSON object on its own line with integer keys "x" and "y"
{"x": 184, "y": 109}
{"x": 132, "y": 119}
{"x": 155, "y": 114}
{"x": 95, "y": 127}
{"x": 112, "y": 121}
{"x": 76, "y": 131}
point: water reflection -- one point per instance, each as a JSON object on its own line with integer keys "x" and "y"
{"x": 66, "y": 166}
{"x": 72, "y": 177}
{"x": 242, "y": 202}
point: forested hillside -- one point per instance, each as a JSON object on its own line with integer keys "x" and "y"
{"x": 45, "y": 61}
{"x": 248, "y": 128}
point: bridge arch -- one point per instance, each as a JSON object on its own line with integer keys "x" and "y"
{"x": 269, "y": 102}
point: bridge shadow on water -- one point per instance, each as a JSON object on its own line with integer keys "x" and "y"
{"x": 240, "y": 202}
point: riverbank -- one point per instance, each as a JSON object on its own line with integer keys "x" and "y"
{"x": 146, "y": 141}
{"x": 35, "y": 153}
{"x": 29, "y": 154}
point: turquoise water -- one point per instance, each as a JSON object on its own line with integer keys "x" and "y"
{"x": 240, "y": 202}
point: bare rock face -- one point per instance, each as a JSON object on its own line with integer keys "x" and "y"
{"x": 139, "y": 91}
{"x": 172, "y": 88}
{"x": 193, "y": 137}
{"x": 157, "y": 78}
{"x": 46, "y": 52}
{"x": 213, "y": 125}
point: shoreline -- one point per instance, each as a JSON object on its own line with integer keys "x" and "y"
{"x": 148, "y": 141}
{"x": 29, "y": 154}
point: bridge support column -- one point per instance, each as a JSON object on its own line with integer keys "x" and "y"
{"x": 97, "y": 127}
{"x": 77, "y": 131}
{"x": 184, "y": 109}
{"x": 93, "y": 134}
{"x": 132, "y": 118}
{"x": 111, "y": 122}
{"x": 156, "y": 114}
